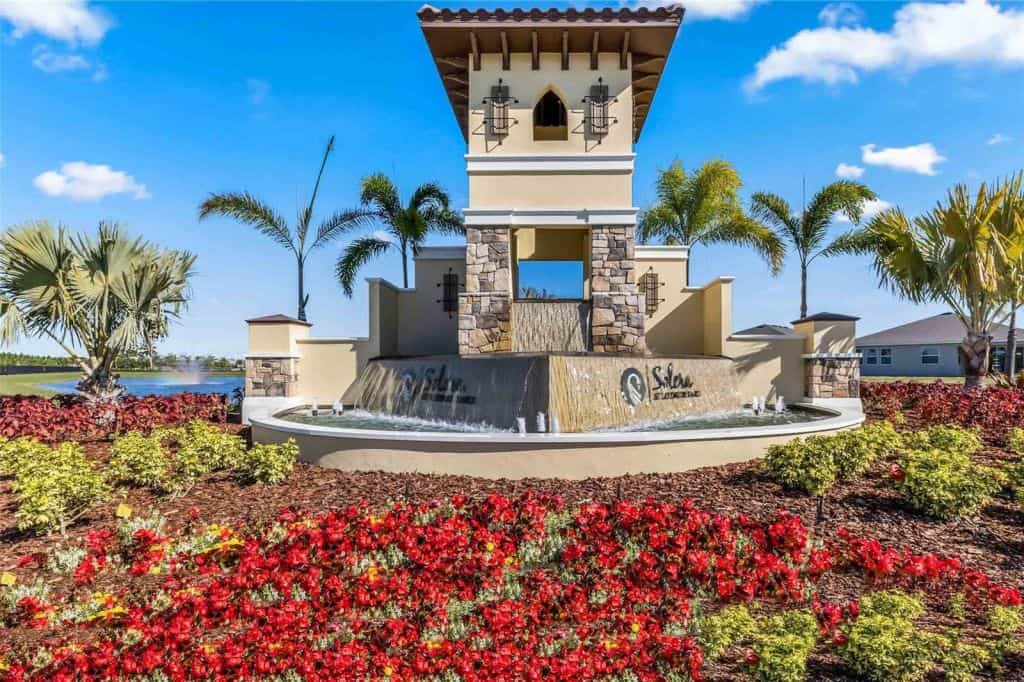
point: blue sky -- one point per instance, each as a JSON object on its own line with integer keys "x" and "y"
{"x": 178, "y": 99}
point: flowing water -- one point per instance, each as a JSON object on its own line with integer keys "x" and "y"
{"x": 581, "y": 392}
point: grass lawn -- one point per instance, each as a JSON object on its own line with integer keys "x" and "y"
{"x": 915, "y": 380}
{"x": 28, "y": 384}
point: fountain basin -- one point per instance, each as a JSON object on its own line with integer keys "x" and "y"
{"x": 503, "y": 454}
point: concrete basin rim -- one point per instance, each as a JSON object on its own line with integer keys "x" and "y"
{"x": 843, "y": 417}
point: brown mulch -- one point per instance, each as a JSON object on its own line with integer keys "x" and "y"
{"x": 993, "y": 541}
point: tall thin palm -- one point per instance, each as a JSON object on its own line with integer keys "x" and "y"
{"x": 704, "y": 208}
{"x": 807, "y": 232}
{"x": 1009, "y": 221}
{"x": 951, "y": 254}
{"x": 247, "y": 209}
{"x": 95, "y": 297}
{"x": 405, "y": 228}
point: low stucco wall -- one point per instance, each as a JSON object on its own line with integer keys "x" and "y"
{"x": 329, "y": 366}
{"x": 768, "y": 367}
{"x": 488, "y": 456}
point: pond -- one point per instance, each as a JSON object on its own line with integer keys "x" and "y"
{"x": 166, "y": 384}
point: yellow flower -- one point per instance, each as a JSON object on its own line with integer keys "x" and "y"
{"x": 155, "y": 569}
{"x": 509, "y": 560}
{"x": 372, "y": 573}
{"x": 388, "y": 672}
{"x": 635, "y": 627}
{"x": 433, "y": 645}
{"x": 609, "y": 645}
{"x": 489, "y": 546}
{"x": 374, "y": 520}
{"x": 123, "y": 511}
{"x": 7, "y": 579}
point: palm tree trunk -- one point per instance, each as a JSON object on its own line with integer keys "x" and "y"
{"x": 803, "y": 290}
{"x": 974, "y": 351}
{"x": 302, "y": 297}
{"x": 405, "y": 266}
{"x": 1011, "y": 341}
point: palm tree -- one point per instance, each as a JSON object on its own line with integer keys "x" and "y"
{"x": 807, "y": 232}
{"x": 1009, "y": 221}
{"x": 106, "y": 295}
{"x": 247, "y": 209}
{"x": 405, "y": 227}
{"x": 704, "y": 208}
{"x": 951, "y": 254}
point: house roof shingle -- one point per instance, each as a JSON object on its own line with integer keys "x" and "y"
{"x": 938, "y": 330}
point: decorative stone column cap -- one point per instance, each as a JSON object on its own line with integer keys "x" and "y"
{"x": 826, "y": 317}
{"x": 832, "y": 356}
{"x": 277, "y": 319}
{"x": 272, "y": 356}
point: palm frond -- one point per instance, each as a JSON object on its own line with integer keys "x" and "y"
{"x": 354, "y": 257}
{"x": 341, "y": 223}
{"x": 444, "y": 220}
{"x": 427, "y": 196}
{"x": 379, "y": 193}
{"x": 247, "y": 209}
{"x": 774, "y": 210}
{"x": 746, "y": 231}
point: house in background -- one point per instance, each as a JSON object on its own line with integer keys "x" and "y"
{"x": 928, "y": 347}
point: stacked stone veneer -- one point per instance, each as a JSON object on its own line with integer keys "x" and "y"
{"x": 271, "y": 377}
{"x": 485, "y": 305}
{"x": 832, "y": 376}
{"x": 617, "y": 317}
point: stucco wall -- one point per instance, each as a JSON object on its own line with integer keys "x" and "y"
{"x": 329, "y": 366}
{"x": 551, "y": 190}
{"x": 423, "y": 326}
{"x": 275, "y": 339}
{"x": 528, "y": 86}
{"x": 768, "y": 366}
{"x": 828, "y": 336}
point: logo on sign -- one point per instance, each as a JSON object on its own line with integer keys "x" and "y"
{"x": 634, "y": 388}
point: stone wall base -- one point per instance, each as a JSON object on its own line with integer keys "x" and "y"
{"x": 271, "y": 377}
{"x": 485, "y": 323}
{"x": 832, "y": 377}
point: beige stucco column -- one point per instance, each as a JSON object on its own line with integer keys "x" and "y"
{"x": 272, "y": 360}
{"x": 831, "y": 361}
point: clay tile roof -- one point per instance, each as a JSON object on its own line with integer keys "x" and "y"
{"x": 620, "y": 14}
{"x": 279, "y": 318}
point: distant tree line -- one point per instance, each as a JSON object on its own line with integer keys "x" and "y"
{"x": 135, "y": 362}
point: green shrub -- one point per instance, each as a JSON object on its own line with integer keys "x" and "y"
{"x": 1006, "y": 621}
{"x": 782, "y": 644}
{"x": 270, "y": 464}
{"x": 962, "y": 661}
{"x": 1015, "y": 479}
{"x": 814, "y": 463}
{"x": 946, "y": 437}
{"x": 803, "y": 464}
{"x": 729, "y": 626}
{"x": 138, "y": 460}
{"x": 55, "y": 487}
{"x": 947, "y": 485}
{"x": 1015, "y": 441}
{"x": 202, "y": 448}
{"x": 20, "y": 454}
{"x": 885, "y": 645}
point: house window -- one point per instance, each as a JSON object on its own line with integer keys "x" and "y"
{"x": 885, "y": 356}
{"x": 550, "y": 121}
{"x": 929, "y": 356}
{"x": 870, "y": 356}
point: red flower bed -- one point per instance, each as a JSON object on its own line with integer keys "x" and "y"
{"x": 67, "y": 417}
{"x": 995, "y": 410}
{"x": 496, "y": 590}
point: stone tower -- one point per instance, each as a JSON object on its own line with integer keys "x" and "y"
{"x": 550, "y": 103}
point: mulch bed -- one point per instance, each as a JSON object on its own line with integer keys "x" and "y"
{"x": 993, "y": 541}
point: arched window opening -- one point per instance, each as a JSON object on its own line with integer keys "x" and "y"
{"x": 549, "y": 118}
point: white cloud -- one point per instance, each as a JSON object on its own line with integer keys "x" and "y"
{"x": 52, "y": 62}
{"x": 918, "y": 158}
{"x": 70, "y": 21}
{"x": 849, "y": 171}
{"x": 727, "y": 10}
{"x": 999, "y": 138}
{"x": 383, "y": 236}
{"x": 841, "y": 14}
{"x": 258, "y": 90}
{"x": 870, "y": 208}
{"x": 81, "y": 181}
{"x": 3, "y": 160}
{"x": 923, "y": 34}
